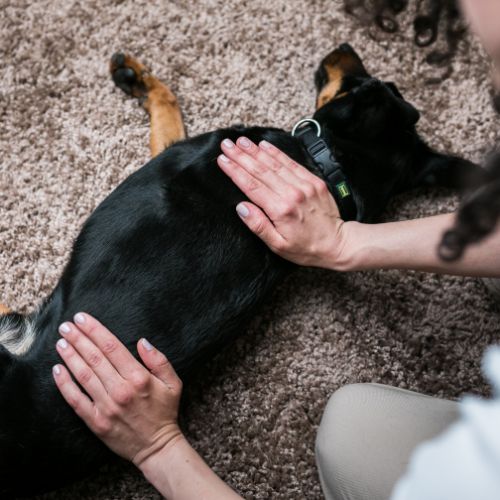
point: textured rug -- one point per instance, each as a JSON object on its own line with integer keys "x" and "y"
{"x": 68, "y": 137}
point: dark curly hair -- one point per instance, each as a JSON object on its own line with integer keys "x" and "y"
{"x": 434, "y": 21}
{"x": 440, "y": 20}
{"x": 477, "y": 216}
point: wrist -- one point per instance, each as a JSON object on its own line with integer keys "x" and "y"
{"x": 177, "y": 471}
{"x": 347, "y": 249}
{"x": 163, "y": 446}
{"x": 155, "y": 466}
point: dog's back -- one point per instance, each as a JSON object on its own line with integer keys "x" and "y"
{"x": 163, "y": 256}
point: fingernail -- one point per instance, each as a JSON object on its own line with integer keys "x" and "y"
{"x": 265, "y": 145}
{"x": 228, "y": 143}
{"x": 244, "y": 142}
{"x": 56, "y": 370}
{"x": 79, "y": 318}
{"x": 62, "y": 343}
{"x": 147, "y": 345}
{"x": 224, "y": 158}
{"x": 64, "y": 328}
{"x": 242, "y": 210}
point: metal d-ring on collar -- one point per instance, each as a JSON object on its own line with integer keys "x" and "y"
{"x": 308, "y": 131}
{"x": 306, "y": 120}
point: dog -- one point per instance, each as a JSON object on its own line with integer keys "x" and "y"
{"x": 166, "y": 257}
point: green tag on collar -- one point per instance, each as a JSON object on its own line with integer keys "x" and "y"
{"x": 343, "y": 190}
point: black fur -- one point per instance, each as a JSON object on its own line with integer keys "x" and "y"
{"x": 166, "y": 257}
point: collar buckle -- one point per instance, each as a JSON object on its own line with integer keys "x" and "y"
{"x": 308, "y": 131}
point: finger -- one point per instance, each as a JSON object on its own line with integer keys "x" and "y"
{"x": 255, "y": 190}
{"x": 82, "y": 372}
{"x": 258, "y": 170}
{"x": 113, "y": 350}
{"x": 286, "y": 161}
{"x": 81, "y": 403}
{"x": 259, "y": 224}
{"x": 158, "y": 363}
{"x": 279, "y": 177}
{"x": 93, "y": 356}
{"x": 262, "y": 157}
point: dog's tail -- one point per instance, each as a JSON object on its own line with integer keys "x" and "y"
{"x": 17, "y": 334}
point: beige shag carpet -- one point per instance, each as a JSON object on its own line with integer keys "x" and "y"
{"x": 68, "y": 137}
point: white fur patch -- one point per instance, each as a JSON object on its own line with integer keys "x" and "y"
{"x": 17, "y": 339}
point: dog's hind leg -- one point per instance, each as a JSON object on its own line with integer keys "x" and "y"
{"x": 157, "y": 99}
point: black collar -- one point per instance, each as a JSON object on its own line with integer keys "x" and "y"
{"x": 309, "y": 132}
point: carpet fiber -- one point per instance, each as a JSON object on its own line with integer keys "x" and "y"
{"x": 68, "y": 137}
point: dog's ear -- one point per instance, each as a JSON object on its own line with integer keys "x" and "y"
{"x": 410, "y": 113}
{"x": 436, "y": 169}
{"x": 341, "y": 63}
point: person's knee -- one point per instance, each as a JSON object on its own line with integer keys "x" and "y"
{"x": 367, "y": 434}
{"x": 336, "y": 412}
{"x": 337, "y": 438}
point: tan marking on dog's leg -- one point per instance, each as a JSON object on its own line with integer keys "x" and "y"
{"x": 167, "y": 126}
{"x": 157, "y": 99}
{"x": 4, "y": 309}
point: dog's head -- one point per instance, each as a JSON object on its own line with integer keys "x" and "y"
{"x": 371, "y": 128}
{"x": 362, "y": 104}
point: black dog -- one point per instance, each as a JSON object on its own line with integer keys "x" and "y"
{"x": 165, "y": 256}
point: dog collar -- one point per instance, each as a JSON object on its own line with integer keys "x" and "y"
{"x": 309, "y": 132}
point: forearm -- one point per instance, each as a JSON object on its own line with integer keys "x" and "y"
{"x": 178, "y": 473}
{"x": 413, "y": 244}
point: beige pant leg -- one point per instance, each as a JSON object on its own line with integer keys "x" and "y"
{"x": 367, "y": 434}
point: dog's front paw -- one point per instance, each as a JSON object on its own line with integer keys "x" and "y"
{"x": 130, "y": 75}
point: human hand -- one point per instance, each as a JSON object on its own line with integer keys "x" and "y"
{"x": 292, "y": 211}
{"x": 132, "y": 409}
